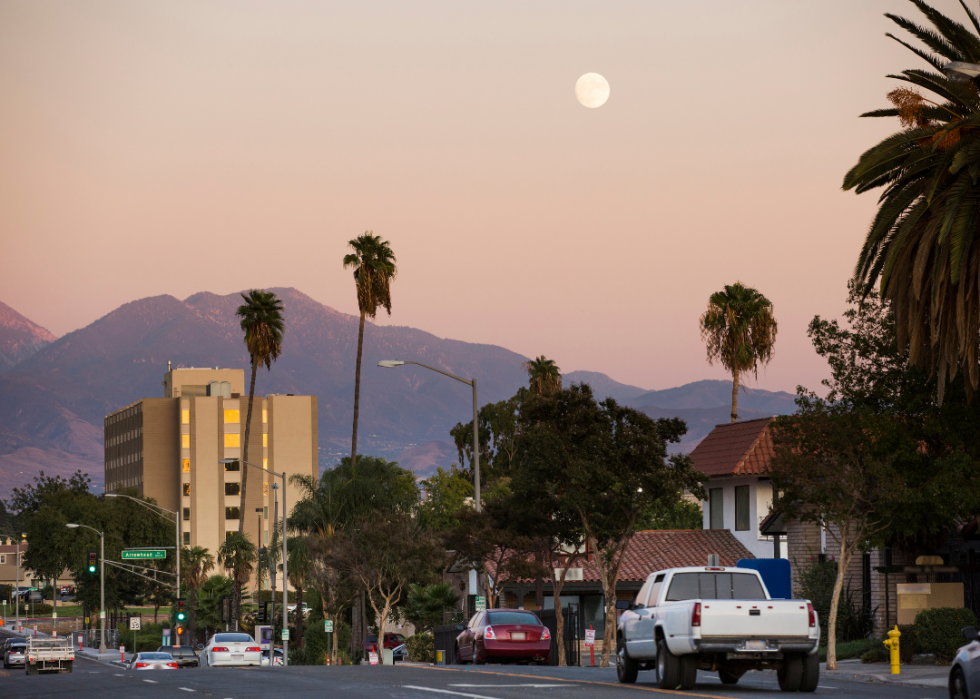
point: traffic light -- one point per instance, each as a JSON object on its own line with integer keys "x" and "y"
{"x": 180, "y": 634}
{"x": 93, "y": 562}
{"x": 180, "y": 611}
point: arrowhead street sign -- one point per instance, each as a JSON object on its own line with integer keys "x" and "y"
{"x": 145, "y": 554}
{"x": 328, "y": 626}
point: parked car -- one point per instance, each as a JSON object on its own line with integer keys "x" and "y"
{"x": 391, "y": 640}
{"x": 265, "y": 658}
{"x": 399, "y": 653}
{"x": 231, "y": 649}
{"x": 716, "y": 618}
{"x": 504, "y": 635}
{"x": 14, "y": 653}
{"x": 964, "y": 673}
{"x": 153, "y": 661}
{"x": 184, "y": 656}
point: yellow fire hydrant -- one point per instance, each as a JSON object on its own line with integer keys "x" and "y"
{"x": 892, "y": 645}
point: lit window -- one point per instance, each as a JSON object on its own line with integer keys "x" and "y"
{"x": 232, "y": 417}
{"x": 265, "y": 462}
{"x": 187, "y": 538}
{"x": 265, "y": 490}
{"x": 187, "y": 514}
{"x": 185, "y": 417}
{"x": 187, "y": 466}
{"x": 265, "y": 415}
{"x": 185, "y": 441}
{"x": 233, "y": 466}
{"x": 265, "y": 440}
{"x": 231, "y": 513}
{"x": 233, "y": 440}
{"x": 187, "y": 489}
{"x": 233, "y": 489}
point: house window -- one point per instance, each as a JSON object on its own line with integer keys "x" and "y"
{"x": 233, "y": 466}
{"x": 233, "y": 489}
{"x": 187, "y": 538}
{"x": 187, "y": 489}
{"x": 232, "y": 417}
{"x": 741, "y": 508}
{"x": 187, "y": 514}
{"x": 231, "y": 513}
{"x": 716, "y": 508}
{"x": 185, "y": 441}
{"x": 232, "y": 441}
{"x": 3, "y": 559}
{"x": 187, "y": 465}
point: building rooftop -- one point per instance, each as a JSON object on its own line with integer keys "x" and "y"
{"x": 735, "y": 449}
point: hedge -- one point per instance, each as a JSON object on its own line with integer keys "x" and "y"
{"x": 940, "y": 631}
{"x": 421, "y": 648}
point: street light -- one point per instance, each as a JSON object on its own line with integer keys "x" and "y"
{"x": 150, "y": 508}
{"x": 392, "y": 363}
{"x": 285, "y": 599}
{"x": 101, "y": 582}
{"x": 960, "y": 71}
{"x": 17, "y": 576}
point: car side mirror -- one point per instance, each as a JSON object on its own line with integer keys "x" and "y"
{"x": 460, "y": 627}
{"x": 970, "y": 633}
{"x": 200, "y": 646}
{"x": 624, "y": 604}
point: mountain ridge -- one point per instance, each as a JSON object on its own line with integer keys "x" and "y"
{"x": 20, "y": 337}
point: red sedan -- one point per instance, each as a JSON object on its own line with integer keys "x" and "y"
{"x": 504, "y": 635}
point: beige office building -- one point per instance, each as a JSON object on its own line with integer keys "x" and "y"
{"x": 170, "y": 448}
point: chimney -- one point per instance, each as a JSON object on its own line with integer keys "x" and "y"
{"x": 713, "y": 560}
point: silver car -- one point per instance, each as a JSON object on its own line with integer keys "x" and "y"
{"x": 153, "y": 661}
{"x": 231, "y": 649}
{"x": 14, "y": 655}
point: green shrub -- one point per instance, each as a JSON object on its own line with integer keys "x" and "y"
{"x": 851, "y": 649}
{"x": 421, "y": 648}
{"x": 875, "y": 655}
{"x": 908, "y": 643}
{"x": 939, "y": 631}
{"x": 817, "y": 585}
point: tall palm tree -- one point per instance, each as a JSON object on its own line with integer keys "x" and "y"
{"x": 237, "y": 554}
{"x": 740, "y": 331}
{"x": 374, "y": 268}
{"x": 544, "y": 375}
{"x": 195, "y": 565}
{"x": 923, "y": 246}
{"x": 263, "y": 326}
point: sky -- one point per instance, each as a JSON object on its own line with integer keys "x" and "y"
{"x": 173, "y": 147}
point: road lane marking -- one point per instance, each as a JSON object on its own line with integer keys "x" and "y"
{"x": 151, "y": 681}
{"x": 538, "y": 686}
{"x": 186, "y": 689}
{"x": 446, "y": 691}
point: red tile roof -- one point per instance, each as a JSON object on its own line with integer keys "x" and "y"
{"x": 735, "y": 449}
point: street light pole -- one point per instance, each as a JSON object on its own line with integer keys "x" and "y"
{"x": 17, "y": 576}
{"x": 285, "y": 600}
{"x": 392, "y": 363}
{"x": 150, "y": 507}
{"x": 101, "y": 582}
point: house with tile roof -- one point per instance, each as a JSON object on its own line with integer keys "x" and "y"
{"x": 736, "y": 458}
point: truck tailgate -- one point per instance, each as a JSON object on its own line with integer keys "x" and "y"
{"x": 754, "y": 618}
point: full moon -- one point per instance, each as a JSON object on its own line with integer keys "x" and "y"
{"x": 592, "y": 90}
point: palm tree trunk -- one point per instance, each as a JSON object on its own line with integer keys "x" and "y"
{"x": 244, "y": 466}
{"x": 357, "y": 391}
{"x": 735, "y": 395}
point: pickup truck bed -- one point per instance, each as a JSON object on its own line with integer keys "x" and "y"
{"x": 49, "y": 655}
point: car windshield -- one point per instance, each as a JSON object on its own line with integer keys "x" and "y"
{"x": 372, "y": 638}
{"x": 496, "y": 618}
{"x": 233, "y": 638}
{"x": 714, "y": 586}
{"x": 155, "y": 656}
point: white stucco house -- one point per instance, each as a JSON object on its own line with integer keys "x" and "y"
{"x": 736, "y": 457}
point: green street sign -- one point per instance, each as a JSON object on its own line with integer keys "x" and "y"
{"x": 481, "y": 603}
{"x": 285, "y": 634}
{"x": 148, "y": 554}
{"x": 328, "y": 626}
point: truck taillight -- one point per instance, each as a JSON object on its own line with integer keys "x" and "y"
{"x": 812, "y": 614}
{"x": 696, "y": 615}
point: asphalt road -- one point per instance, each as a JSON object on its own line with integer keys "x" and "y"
{"x": 95, "y": 680}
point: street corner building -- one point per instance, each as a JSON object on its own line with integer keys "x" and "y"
{"x": 170, "y": 448}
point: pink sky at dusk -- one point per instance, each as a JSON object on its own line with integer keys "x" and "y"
{"x": 173, "y": 147}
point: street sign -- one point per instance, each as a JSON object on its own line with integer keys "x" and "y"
{"x": 481, "y": 603}
{"x": 328, "y": 626}
{"x": 146, "y": 554}
{"x": 590, "y": 637}
{"x": 134, "y": 623}
{"x": 166, "y": 633}
{"x": 373, "y": 657}
{"x": 285, "y": 634}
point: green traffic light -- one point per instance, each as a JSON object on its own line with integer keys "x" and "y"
{"x": 180, "y": 617}
{"x": 91, "y": 569}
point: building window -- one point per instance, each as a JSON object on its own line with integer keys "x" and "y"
{"x": 185, "y": 441}
{"x": 265, "y": 439}
{"x": 265, "y": 512}
{"x": 266, "y": 537}
{"x": 187, "y": 489}
{"x": 187, "y": 514}
{"x": 187, "y": 465}
{"x": 265, "y": 464}
{"x": 187, "y": 538}
{"x": 3, "y": 559}
{"x": 741, "y": 508}
{"x": 231, "y": 513}
{"x": 265, "y": 488}
{"x": 233, "y": 466}
{"x": 233, "y": 440}
{"x": 232, "y": 417}
{"x": 265, "y": 416}
{"x": 185, "y": 417}
{"x": 716, "y": 508}
{"x": 233, "y": 489}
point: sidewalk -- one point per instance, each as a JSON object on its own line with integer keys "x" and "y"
{"x": 914, "y": 675}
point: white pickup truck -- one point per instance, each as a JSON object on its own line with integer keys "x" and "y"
{"x": 718, "y": 619}
{"x": 49, "y": 655}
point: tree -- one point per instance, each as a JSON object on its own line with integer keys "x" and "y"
{"x": 196, "y": 563}
{"x": 237, "y": 554}
{"x": 605, "y": 465}
{"x": 385, "y": 555}
{"x": 374, "y": 268}
{"x": 207, "y": 604}
{"x": 544, "y": 375}
{"x": 426, "y": 605}
{"x": 498, "y": 426}
{"x": 740, "y": 331}
{"x": 835, "y": 466}
{"x": 263, "y": 325}
{"x": 299, "y": 569}
{"x": 447, "y": 492}
{"x": 922, "y": 247}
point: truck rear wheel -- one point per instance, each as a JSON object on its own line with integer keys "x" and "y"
{"x": 626, "y": 668}
{"x": 790, "y": 675}
{"x": 688, "y": 671}
{"x": 811, "y": 673}
{"x": 668, "y": 667}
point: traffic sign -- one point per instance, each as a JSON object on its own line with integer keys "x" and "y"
{"x": 134, "y": 623}
{"x": 166, "y": 632}
{"x": 328, "y": 626}
{"x": 590, "y": 637}
{"x": 285, "y": 634}
{"x": 144, "y": 554}
{"x": 481, "y": 603}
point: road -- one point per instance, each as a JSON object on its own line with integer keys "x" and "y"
{"x": 95, "y": 680}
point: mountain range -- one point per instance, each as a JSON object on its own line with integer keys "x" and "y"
{"x": 55, "y": 392}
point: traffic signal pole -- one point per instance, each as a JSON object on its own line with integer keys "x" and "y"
{"x": 102, "y": 593}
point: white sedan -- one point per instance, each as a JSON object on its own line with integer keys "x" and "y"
{"x": 233, "y": 649}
